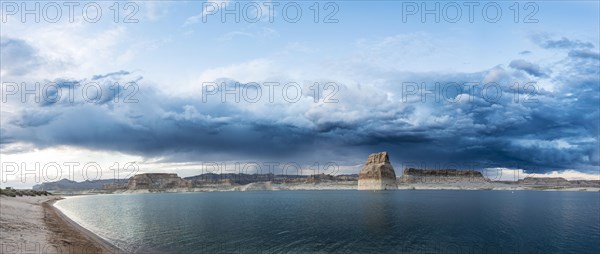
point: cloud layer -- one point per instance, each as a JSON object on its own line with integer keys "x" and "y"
{"x": 481, "y": 119}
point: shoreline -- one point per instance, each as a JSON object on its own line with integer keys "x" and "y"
{"x": 266, "y": 186}
{"x": 344, "y": 188}
{"x": 34, "y": 225}
{"x": 66, "y": 232}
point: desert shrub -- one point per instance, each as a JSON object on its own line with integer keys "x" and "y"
{"x": 40, "y": 193}
{"x": 8, "y": 192}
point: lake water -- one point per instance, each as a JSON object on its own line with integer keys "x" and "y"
{"x": 406, "y": 221}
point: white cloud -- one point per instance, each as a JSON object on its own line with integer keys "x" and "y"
{"x": 55, "y": 163}
{"x": 154, "y": 10}
{"x": 507, "y": 174}
{"x": 256, "y": 70}
{"x": 69, "y": 49}
{"x": 569, "y": 175}
{"x": 504, "y": 174}
{"x": 206, "y": 9}
{"x": 556, "y": 144}
{"x": 259, "y": 33}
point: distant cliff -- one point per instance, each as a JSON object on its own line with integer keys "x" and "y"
{"x": 324, "y": 178}
{"x": 557, "y": 182}
{"x": 413, "y": 175}
{"x": 243, "y": 179}
{"x": 229, "y": 179}
{"x": 157, "y": 182}
{"x": 68, "y": 185}
{"x": 376, "y": 168}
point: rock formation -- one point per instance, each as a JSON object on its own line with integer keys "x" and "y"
{"x": 68, "y": 185}
{"x": 557, "y": 182}
{"x": 231, "y": 179}
{"x": 157, "y": 181}
{"x": 377, "y": 174}
{"x": 413, "y": 175}
{"x": 553, "y": 181}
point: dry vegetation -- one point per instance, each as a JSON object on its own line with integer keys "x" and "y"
{"x": 10, "y": 192}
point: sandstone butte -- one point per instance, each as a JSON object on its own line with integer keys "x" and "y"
{"x": 157, "y": 181}
{"x": 377, "y": 174}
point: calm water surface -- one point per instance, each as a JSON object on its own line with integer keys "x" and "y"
{"x": 344, "y": 221}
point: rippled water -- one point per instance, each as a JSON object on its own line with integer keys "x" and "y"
{"x": 344, "y": 221}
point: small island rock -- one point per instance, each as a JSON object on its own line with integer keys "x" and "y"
{"x": 377, "y": 174}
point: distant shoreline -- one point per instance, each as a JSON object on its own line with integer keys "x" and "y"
{"x": 268, "y": 186}
{"x": 410, "y": 179}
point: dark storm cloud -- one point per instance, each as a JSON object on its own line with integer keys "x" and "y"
{"x": 29, "y": 118}
{"x": 53, "y": 93}
{"x": 548, "y": 130}
{"x": 4, "y": 137}
{"x": 99, "y": 90}
{"x": 530, "y": 68}
{"x": 158, "y": 126}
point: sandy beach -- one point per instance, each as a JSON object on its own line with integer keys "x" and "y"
{"x": 34, "y": 225}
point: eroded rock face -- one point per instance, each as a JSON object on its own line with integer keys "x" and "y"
{"x": 377, "y": 174}
{"x": 157, "y": 181}
{"x": 557, "y": 181}
{"x": 413, "y": 175}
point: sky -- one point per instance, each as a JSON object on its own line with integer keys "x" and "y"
{"x": 308, "y": 86}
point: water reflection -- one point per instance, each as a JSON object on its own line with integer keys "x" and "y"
{"x": 377, "y": 211}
